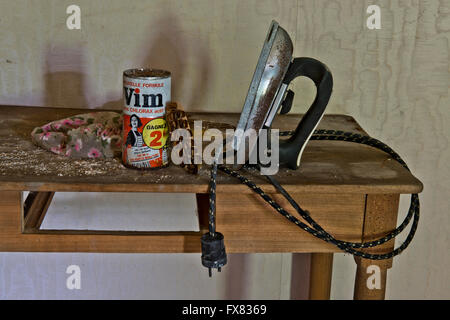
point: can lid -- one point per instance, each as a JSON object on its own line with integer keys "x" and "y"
{"x": 146, "y": 73}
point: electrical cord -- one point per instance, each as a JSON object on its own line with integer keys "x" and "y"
{"x": 315, "y": 229}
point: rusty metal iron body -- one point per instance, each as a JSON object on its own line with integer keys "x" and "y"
{"x": 268, "y": 92}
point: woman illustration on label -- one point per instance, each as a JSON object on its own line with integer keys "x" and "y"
{"x": 134, "y": 137}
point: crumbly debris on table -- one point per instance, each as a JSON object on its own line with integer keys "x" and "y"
{"x": 20, "y": 157}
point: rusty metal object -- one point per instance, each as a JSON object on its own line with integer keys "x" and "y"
{"x": 177, "y": 119}
{"x": 268, "y": 94}
{"x": 266, "y": 86}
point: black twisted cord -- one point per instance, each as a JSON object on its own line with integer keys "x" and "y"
{"x": 316, "y": 229}
{"x": 212, "y": 200}
{"x": 354, "y": 137}
{"x": 305, "y": 214}
{"x": 321, "y": 234}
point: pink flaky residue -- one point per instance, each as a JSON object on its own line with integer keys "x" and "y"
{"x": 67, "y": 122}
{"x": 79, "y": 122}
{"x": 47, "y": 127}
{"x": 57, "y": 150}
{"x": 78, "y": 145}
{"x": 87, "y": 135}
{"x": 45, "y": 135}
{"x": 94, "y": 153}
{"x": 105, "y": 133}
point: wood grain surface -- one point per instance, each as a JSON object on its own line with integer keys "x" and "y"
{"x": 257, "y": 228}
{"x": 327, "y": 166}
{"x": 379, "y": 219}
{"x": 394, "y": 81}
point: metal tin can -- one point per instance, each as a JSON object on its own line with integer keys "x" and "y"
{"x": 145, "y": 131}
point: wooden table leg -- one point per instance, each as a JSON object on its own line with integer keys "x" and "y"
{"x": 380, "y": 218}
{"x": 370, "y": 280}
{"x": 35, "y": 208}
{"x": 320, "y": 276}
{"x": 10, "y": 213}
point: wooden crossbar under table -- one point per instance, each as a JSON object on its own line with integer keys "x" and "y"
{"x": 351, "y": 190}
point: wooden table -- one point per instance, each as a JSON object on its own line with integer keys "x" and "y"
{"x": 352, "y": 190}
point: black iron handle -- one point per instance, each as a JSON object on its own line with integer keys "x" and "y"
{"x": 291, "y": 149}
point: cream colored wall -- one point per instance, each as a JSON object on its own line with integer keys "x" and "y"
{"x": 394, "y": 81}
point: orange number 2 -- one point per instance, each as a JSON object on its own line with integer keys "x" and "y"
{"x": 156, "y": 142}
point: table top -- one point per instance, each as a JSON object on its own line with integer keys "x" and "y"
{"x": 326, "y": 167}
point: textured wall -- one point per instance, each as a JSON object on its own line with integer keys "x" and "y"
{"x": 394, "y": 81}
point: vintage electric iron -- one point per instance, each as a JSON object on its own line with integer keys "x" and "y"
{"x": 268, "y": 94}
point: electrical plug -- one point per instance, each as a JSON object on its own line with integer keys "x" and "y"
{"x": 213, "y": 251}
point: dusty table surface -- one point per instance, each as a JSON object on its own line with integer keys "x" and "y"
{"x": 327, "y": 166}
